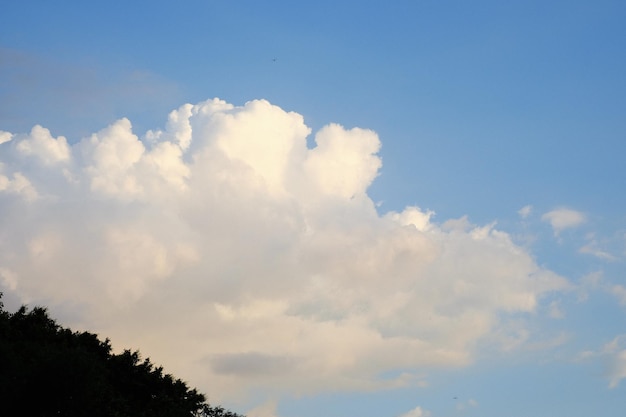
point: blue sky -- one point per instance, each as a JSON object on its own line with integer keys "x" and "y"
{"x": 407, "y": 209}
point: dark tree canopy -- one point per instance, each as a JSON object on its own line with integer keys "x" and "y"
{"x": 47, "y": 370}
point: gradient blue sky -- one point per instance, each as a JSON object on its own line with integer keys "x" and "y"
{"x": 482, "y": 108}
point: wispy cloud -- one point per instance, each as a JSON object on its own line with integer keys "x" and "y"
{"x": 240, "y": 258}
{"x": 595, "y": 281}
{"x": 597, "y": 248}
{"x": 613, "y": 354}
{"x": 592, "y": 248}
{"x": 525, "y": 211}
{"x": 464, "y": 405}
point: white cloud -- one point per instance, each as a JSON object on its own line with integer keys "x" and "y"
{"x": 5, "y": 137}
{"x": 416, "y": 412}
{"x": 111, "y": 157}
{"x": 525, "y": 211}
{"x": 18, "y": 184}
{"x": 41, "y": 144}
{"x": 227, "y": 250}
{"x": 563, "y": 218}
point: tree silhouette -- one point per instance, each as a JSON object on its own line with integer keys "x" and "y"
{"x": 47, "y": 370}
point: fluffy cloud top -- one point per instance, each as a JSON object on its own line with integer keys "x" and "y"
{"x": 41, "y": 144}
{"x": 416, "y": 412}
{"x": 238, "y": 257}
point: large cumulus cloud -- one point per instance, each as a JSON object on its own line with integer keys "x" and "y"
{"x": 238, "y": 257}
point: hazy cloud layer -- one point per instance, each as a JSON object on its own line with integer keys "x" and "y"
{"x": 92, "y": 95}
{"x": 230, "y": 252}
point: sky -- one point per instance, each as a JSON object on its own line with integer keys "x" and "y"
{"x": 385, "y": 209}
